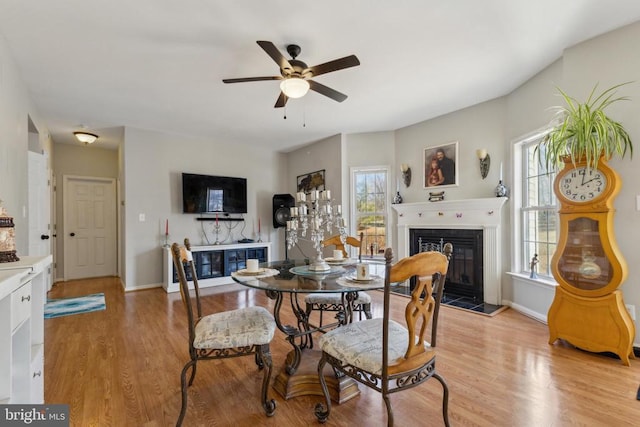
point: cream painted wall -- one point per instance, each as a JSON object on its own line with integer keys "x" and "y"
{"x": 611, "y": 59}
{"x": 480, "y": 126}
{"x": 325, "y": 154}
{"x": 77, "y": 160}
{"x": 15, "y": 109}
{"x": 153, "y": 164}
{"x": 495, "y": 125}
{"x": 371, "y": 149}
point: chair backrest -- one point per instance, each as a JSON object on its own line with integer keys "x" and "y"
{"x": 349, "y": 240}
{"x": 182, "y": 256}
{"x": 419, "y": 311}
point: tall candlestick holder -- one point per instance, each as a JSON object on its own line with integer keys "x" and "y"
{"x": 216, "y": 229}
{"x": 312, "y": 215}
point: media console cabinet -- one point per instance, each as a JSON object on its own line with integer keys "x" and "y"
{"x": 23, "y": 293}
{"x": 214, "y": 263}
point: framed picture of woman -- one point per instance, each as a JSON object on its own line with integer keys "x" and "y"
{"x": 440, "y": 165}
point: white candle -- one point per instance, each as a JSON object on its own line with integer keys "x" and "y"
{"x": 500, "y": 171}
{"x": 314, "y": 194}
{"x": 339, "y": 209}
{"x": 252, "y": 265}
{"x": 288, "y": 225}
{"x": 328, "y": 194}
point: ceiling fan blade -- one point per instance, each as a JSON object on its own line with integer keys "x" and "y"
{"x": 251, "y": 79}
{"x": 275, "y": 54}
{"x": 327, "y": 91}
{"x": 335, "y": 65}
{"x": 282, "y": 100}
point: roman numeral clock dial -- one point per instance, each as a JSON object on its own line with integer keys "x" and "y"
{"x": 588, "y": 310}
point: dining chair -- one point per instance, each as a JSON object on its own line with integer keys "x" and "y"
{"x": 241, "y": 332}
{"x": 382, "y": 353}
{"x": 334, "y": 302}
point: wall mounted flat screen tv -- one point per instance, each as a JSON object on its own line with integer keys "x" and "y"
{"x": 213, "y": 194}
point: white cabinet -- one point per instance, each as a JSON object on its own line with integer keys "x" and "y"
{"x": 23, "y": 287}
{"x": 214, "y": 263}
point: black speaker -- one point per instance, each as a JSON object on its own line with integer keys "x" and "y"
{"x": 281, "y": 212}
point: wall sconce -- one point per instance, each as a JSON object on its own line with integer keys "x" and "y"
{"x": 485, "y": 162}
{"x": 406, "y": 174}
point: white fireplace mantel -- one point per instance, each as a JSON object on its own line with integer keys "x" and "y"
{"x": 483, "y": 214}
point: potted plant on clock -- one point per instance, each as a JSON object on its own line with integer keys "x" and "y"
{"x": 582, "y": 131}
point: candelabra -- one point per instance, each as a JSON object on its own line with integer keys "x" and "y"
{"x": 312, "y": 215}
{"x": 216, "y": 229}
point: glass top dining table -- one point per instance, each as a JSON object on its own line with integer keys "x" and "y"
{"x": 293, "y": 279}
{"x": 295, "y": 276}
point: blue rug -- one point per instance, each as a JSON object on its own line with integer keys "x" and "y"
{"x": 67, "y": 306}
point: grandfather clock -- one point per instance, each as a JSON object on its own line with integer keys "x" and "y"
{"x": 588, "y": 310}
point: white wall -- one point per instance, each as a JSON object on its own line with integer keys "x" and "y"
{"x": 607, "y": 60}
{"x": 371, "y": 149}
{"x": 325, "y": 154}
{"x": 611, "y": 59}
{"x": 153, "y": 164}
{"x": 15, "y": 109}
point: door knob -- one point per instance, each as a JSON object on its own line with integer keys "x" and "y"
{"x": 44, "y": 237}
{"x": 72, "y": 234}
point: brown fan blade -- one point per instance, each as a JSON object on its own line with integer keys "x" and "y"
{"x": 282, "y": 100}
{"x": 335, "y": 65}
{"x": 327, "y": 91}
{"x": 251, "y": 79}
{"x": 275, "y": 54}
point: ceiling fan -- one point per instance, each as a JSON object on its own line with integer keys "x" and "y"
{"x": 296, "y": 76}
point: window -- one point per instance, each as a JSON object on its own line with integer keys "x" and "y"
{"x": 370, "y": 205}
{"x": 538, "y": 211}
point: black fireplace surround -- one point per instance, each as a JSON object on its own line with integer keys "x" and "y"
{"x": 465, "y": 274}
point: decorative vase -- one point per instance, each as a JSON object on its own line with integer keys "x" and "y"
{"x": 501, "y": 190}
{"x": 397, "y": 199}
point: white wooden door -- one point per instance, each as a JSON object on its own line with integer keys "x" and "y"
{"x": 89, "y": 227}
{"x": 39, "y": 205}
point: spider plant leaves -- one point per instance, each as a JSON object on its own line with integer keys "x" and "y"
{"x": 582, "y": 131}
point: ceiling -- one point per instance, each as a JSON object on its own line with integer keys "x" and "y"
{"x": 159, "y": 64}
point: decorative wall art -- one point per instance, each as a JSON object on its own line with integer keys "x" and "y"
{"x": 440, "y": 165}
{"x": 310, "y": 181}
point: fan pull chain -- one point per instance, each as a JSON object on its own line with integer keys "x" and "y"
{"x": 304, "y": 117}
{"x": 285, "y": 111}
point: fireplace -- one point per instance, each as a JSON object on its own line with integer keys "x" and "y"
{"x": 465, "y": 276}
{"x": 481, "y": 217}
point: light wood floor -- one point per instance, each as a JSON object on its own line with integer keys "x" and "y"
{"x": 121, "y": 367}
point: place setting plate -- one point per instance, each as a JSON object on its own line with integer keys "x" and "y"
{"x": 245, "y": 272}
{"x": 304, "y": 270}
{"x": 354, "y": 281}
{"x": 338, "y": 261}
{"x": 261, "y": 272}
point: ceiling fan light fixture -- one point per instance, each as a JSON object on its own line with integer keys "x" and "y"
{"x": 86, "y": 137}
{"x": 294, "y": 87}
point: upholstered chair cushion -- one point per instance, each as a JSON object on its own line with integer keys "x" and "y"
{"x": 335, "y": 298}
{"x": 360, "y": 344}
{"x": 236, "y": 328}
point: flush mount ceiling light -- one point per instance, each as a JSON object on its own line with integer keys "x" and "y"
{"x": 294, "y": 87}
{"x": 86, "y": 137}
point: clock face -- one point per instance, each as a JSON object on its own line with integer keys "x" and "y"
{"x": 582, "y": 184}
